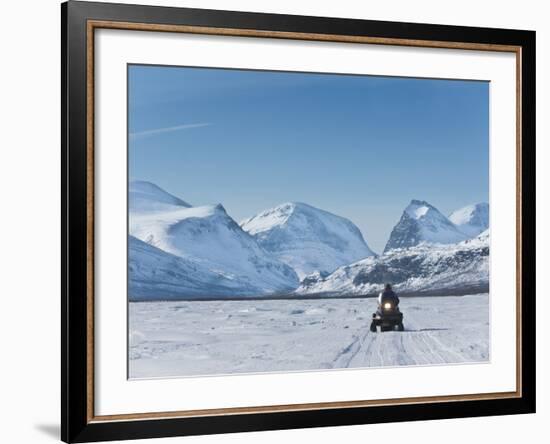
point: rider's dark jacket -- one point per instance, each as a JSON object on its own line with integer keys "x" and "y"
{"x": 388, "y": 296}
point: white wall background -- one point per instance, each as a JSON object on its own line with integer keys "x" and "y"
{"x": 29, "y": 217}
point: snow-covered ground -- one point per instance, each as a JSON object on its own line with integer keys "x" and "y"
{"x": 188, "y": 338}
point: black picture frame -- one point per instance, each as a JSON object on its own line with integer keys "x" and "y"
{"x": 76, "y": 423}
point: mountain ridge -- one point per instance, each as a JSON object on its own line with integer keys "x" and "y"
{"x": 209, "y": 236}
{"x": 422, "y": 222}
{"x": 177, "y": 250}
{"x": 307, "y": 238}
{"x": 472, "y": 219}
{"x": 147, "y": 196}
{"x": 422, "y": 268}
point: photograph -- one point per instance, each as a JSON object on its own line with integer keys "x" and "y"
{"x": 282, "y": 219}
{"x": 299, "y": 221}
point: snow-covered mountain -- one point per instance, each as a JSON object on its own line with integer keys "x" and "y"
{"x": 422, "y": 222}
{"x": 177, "y": 251}
{"x": 306, "y": 238}
{"x": 472, "y": 219}
{"x": 147, "y": 197}
{"x": 426, "y": 268}
{"x": 208, "y": 236}
{"x": 156, "y": 274}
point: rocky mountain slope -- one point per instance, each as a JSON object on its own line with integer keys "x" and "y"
{"x": 457, "y": 268}
{"x": 422, "y": 222}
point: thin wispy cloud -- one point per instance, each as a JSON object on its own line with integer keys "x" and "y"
{"x": 168, "y": 129}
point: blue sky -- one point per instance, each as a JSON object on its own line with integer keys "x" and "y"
{"x": 358, "y": 146}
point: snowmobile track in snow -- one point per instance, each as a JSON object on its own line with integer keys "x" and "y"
{"x": 219, "y": 337}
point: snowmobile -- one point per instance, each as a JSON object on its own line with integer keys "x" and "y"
{"x": 388, "y": 317}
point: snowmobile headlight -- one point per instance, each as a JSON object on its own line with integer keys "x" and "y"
{"x": 387, "y": 306}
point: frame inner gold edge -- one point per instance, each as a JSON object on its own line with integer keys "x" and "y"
{"x": 96, "y": 24}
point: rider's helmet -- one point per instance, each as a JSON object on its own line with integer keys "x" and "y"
{"x": 387, "y": 287}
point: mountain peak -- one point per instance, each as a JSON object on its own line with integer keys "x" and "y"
{"x": 307, "y": 238}
{"x": 418, "y": 202}
{"x": 220, "y": 207}
{"x": 419, "y": 208}
{"x": 301, "y": 205}
{"x": 291, "y": 206}
{"x": 147, "y": 196}
{"x": 422, "y": 222}
{"x": 471, "y": 219}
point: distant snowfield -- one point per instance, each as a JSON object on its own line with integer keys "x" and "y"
{"x": 191, "y": 338}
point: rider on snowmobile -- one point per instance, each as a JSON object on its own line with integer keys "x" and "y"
{"x": 388, "y": 295}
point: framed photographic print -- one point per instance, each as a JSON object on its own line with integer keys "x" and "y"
{"x": 275, "y": 221}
